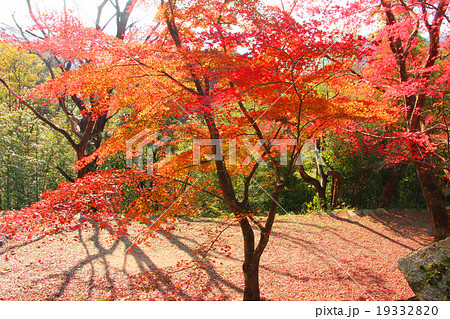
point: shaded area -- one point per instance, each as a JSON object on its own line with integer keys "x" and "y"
{"x": 373, "y": 231}
{"x": 21, "y": 245}
{"x": 214, "y": 277}
{"x": 407, "y": 222}
{"x": 149, "y": 278}
{"x": 69, "y": 274}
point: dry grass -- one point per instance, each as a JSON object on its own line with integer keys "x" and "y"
{"x": 313, "y": 257}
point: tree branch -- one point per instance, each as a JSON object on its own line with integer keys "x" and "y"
{"x": 66, "y": 176}
{"x": 39, "y": 116}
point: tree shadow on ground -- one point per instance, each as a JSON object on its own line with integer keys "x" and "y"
{"x": 303, "y": 232}
{"x": 154, "y": 277}
{"x": 24, "y": 244}
{"x": 356, "y": 223}
{"x": 69, "y": 274}
{"x": 214, "y": 277}
{"x": 367, "y": 279}
{"x": 167, "y": 286}
{"x": 406, "y": 222}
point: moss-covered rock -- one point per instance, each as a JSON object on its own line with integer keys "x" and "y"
{"x": 427, "y": 271}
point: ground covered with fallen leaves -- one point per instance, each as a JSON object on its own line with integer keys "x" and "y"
{"x": 309, "y": 257}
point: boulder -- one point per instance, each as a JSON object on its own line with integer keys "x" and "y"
{"x": 427, "y": 271}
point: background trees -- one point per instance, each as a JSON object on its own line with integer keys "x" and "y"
{"x": 407, "y": 62}
{"x": 417, "y": 87}
{"x": 63, "y": 44}
{"x": 30, "y": 151}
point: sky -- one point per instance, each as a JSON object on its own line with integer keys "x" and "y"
{"x": 86, "y": 9}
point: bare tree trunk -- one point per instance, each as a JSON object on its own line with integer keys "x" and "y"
{"x": 319, "y": 185}
{"x": 434, "y": 200}
{"x": 250, "y": 266}
{"x": 390, "y": 183}
{"x": 336, "y": 178}
{"x": 251, "y": 280}
{"x": 316, "y": 183}
{"x": 64, "y": 173}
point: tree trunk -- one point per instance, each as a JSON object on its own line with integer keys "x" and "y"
{"x": 80, "y": 155}
{"x": 321, "y": 191}
{"x": 250, "y": 266}
{"x": 251, "y": 262}
{"x": 390, "y": 183}
{"x": 335, "y": 187}
{"x": 434, "y": 200}
{"x": 319, "y": 185}
{"x": 415, "y": 105}
{"x": 66, "y": 176}
{"x": 251, "y": 280}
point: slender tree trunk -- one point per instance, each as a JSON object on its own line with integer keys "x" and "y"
{"x": 252, "y": 254}
{"x": 251, "y": 280}
{"x": 434, "y": 200}
{"x": 335, "y": 187}
{"x": 250, "y": 266}
{"x": 319, "y": 185}
{"x": 335, "y": 191}
{"x": 390, "y": 183}
{"x": 321, "y": 190}
{"x": 66, "y": 176}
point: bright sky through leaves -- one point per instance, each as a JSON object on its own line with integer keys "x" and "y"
{"x": 86, "y": 9}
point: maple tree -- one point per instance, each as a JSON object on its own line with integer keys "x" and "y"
{"x": 406, "y": 61}
{"x": 234, "y": 84}
{"x": 227, "y": 94}
{"x": 62, "y": 42}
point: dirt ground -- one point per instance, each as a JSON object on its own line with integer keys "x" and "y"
{"x": 311, "y": 257}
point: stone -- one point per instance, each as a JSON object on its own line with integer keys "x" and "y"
{"x": 368, "y": 212}
{"x": 380, "y": 211}
{"x": 427, "y": 271}
{"x": 353, "y": 212}
{"x": 358, "y": 212}
{"x": 331, "y": 214}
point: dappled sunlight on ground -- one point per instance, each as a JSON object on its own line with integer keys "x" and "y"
{"x": 312, "y": 257}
